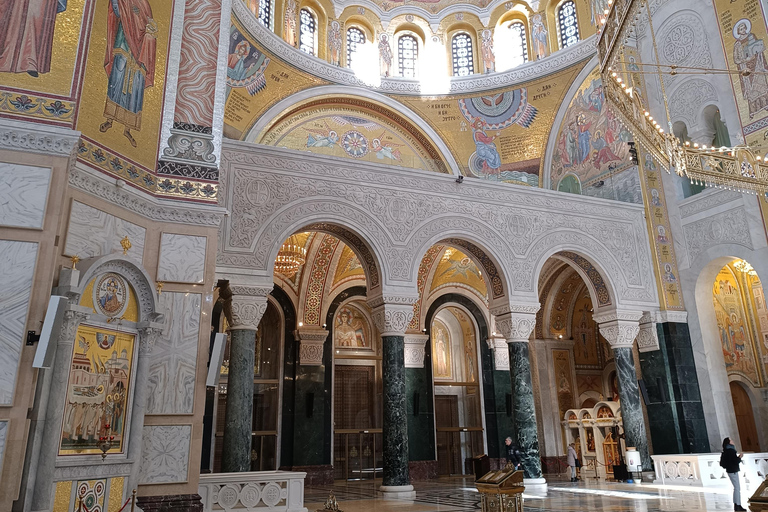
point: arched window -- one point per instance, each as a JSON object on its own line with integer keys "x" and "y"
{"x": 518, "y": 43}
{"x": 307, "y": 26}
{"x": 408, "y": 56}
{"x": 265, "y": 13}
{"x": 463, "y": 58}
{"x": 355, "y": 37}
{"x": 567, "y": 25}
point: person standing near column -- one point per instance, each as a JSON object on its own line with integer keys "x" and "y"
{"x": 572, "y": 458}
{"x": 730, "y": 461}
{"x": 514, "y": 457}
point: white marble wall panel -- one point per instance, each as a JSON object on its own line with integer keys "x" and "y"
{"x": 174, "y": 357}
{"x": 3, "y": 432}
{"x": 17, "y": 268}
{"x": 23, "y": 193}
{"x": 93, "y": 232}
{"x": 182, "y": 258}
{"x": 165, "y": 454}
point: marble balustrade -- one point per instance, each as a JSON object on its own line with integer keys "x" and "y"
{"x": 275, "y": 491}
{"x": 703, "y": 470}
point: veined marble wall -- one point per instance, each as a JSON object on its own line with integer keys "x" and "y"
{"x": 16, "y": 275}
{"x": 182, "y": 258}
{"x": 174, "y": 357}
{"x": 23, "y": 194}
{"x": 93, "y": 232}
{"x": 165, "y": 454}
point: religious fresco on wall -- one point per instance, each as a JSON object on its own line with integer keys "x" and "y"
{"x": 667, "y": 282}
{"x": 563, "y": 380}
{"x": 456, "y": 269}
{"x": 562, "y": 299}
{"x": 761, "y": 312}
{"x": 586, "y": 383}
{"x": 442, "y": 362}
{"x": 346, "y": 128}
{"x": 348, "y": 267}
{"x": 744, "y": 36}
{"x": 350, "y": 329}
{"x": 121, "y": 109}
{"x": 433, "y": 6}
{"x": 246, "y": 65}
{"x": 40, "y": 58}
{"x": 592, "y": 148}
{"x": 733, "y": 326}
{"x": 469, "y": 341}
{"x": 585, "y": 348}
{"x": 98, "y": 390}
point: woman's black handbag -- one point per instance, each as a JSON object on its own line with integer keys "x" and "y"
{"x": 578, "y": 463}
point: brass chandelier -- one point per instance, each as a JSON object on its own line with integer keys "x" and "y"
{"x": 291, "y": 257}
{"x": 735, "y": 168}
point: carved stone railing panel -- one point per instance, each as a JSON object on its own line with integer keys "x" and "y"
{"x": 273, "y": 491}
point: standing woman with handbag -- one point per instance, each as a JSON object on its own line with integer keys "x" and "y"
{"x": 730, "y": 461}
{"x": 573, "y": 461}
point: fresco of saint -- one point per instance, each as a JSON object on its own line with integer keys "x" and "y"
{"x": 749, "y": 55}
{"x": 290, "y": 23}
{"x": 486, "y": 148}
{"x": 539, "y": 36}
{"x": 486, "y": 50}
{"x": 334, "y": 43}
{"x": 129, "y": 63}
{"x": 385, "y": 55}
{"x": 26, "y": 35}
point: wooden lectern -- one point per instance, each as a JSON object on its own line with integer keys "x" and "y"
{"x": 501, "y": 491}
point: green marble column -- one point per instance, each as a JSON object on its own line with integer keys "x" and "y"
{"x": 236, "y": 450}
{"x": 395, "y": 424}
{"x": 631, "y": 409}
{"x": 524, "y": 408}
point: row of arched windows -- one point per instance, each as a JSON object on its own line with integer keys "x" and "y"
{"x": 407, "y": 50}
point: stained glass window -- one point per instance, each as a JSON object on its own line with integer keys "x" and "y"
{"x": 463, "y": 58}
{"x": 408, "y": 56}
{"x": 355, "y": 37}
{"x": 306, "y": 32}
{"x": 265, "y": 13}
{"x": 569, "y": 28}
{"x": 518, "y": 43}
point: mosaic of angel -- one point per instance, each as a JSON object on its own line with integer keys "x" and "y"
{"x": 322, "y": 138}
{"x": 26, "y": 35}
{"x": 350, "y": 329}
{"x": 386, "y": 149}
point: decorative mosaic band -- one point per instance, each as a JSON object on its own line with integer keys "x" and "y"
{"x": 38, "y": 107}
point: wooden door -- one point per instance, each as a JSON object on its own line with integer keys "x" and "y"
{"x": 745, "y": 419}
{"x": 448, "y": 438}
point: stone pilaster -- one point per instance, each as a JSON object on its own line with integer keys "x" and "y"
{"x": 57, "y": 399}
{"x": 516, "y": 323}
{"x": 248, "y": 306}
{"x": 415, "y": 350}
{"x": 500, "y": 351}
{"x": 392, "y": 320}
{"x": 647, "y": 337}
{"x": 620, "y": 328}
{"x": 312, "y": 341}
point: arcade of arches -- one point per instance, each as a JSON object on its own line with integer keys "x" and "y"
{"x": 253, "y": 247}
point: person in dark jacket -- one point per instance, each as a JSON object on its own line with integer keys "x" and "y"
{"x": 514, "y": 455}
{"x": 730, "y": 461}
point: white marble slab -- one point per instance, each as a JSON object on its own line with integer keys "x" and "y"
{"x": 3, "y": 432}
{"x": 93, "y": 232}
{"x": 23, "y": 194}
{"x": 165, "y": 454}
{"x": 16, "y": 273}
{"x": 182, "y": 258}
{"x": 171, "y": 382}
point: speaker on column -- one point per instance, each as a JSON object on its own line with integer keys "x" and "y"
{"x": 415, "y": 403}
{"x": 46, "y": 345}
{"x": 310, "y": 404}
{"x": 509, "y": 404}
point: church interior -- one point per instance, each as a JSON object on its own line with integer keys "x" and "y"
{"x": 389, "y": 255}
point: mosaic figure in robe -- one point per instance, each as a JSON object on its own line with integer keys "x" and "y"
{"x": 749, "y": 55}
{"x": 539, "y": 36}
{"x": 129, "y": 63}
{"x": 26, "y": 35}
{"x": 485, "y": 147}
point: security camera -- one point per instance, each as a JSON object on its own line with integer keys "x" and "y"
{"x": 460, "y": 179}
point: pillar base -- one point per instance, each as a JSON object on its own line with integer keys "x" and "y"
{"x": 538, "y": 483}
{"x": 398, "y": 492}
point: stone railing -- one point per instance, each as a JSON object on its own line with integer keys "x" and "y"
{"x": 703, "y": 469}
{"x": 276, "y": 491}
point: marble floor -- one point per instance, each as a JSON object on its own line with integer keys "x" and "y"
{"x": 458, "y": 495}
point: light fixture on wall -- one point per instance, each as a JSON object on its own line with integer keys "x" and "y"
{"x": 291, "y": 257}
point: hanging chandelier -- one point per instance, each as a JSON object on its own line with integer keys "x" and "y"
{"x": 291, "y": 257}
{"x": 744, "y": 267}
{"x": 734, "y": 168}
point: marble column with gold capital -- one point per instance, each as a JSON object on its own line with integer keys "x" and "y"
{"x": 248, "y": 305}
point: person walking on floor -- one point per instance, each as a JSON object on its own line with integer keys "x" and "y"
{"x": 514, "y": 456}
{"x": 573, "y": 459}
{"x": 730, "y": 461}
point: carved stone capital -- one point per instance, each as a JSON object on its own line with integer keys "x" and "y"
{"x": 515, "y": 322}
{"x": 248, "y": 306}
{"x": 648, "y": 336}
{"x": 148, "y": 335}
{"x": 312, "y": 341}
{"x": 392, "y": 319}
{"x": 619, "y": 328}
{"x": 72, "y": 319}
{"x": 190, "y": 147}
{"x": 415, "y": 350}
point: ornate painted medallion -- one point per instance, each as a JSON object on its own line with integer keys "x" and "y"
{"x": 355, "y": 144}
{"x": 110, "y": 295}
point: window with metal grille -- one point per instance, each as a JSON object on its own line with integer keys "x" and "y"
{"x": 355, "y": 38}
{"x": 307, "y": 32}
{"x": 518, "y": 43}
{"x": 567, "y": 24}
{"x": 463, "y": 58}
{"x": 265, "y": 13}
{"x": 408, "y": 56}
